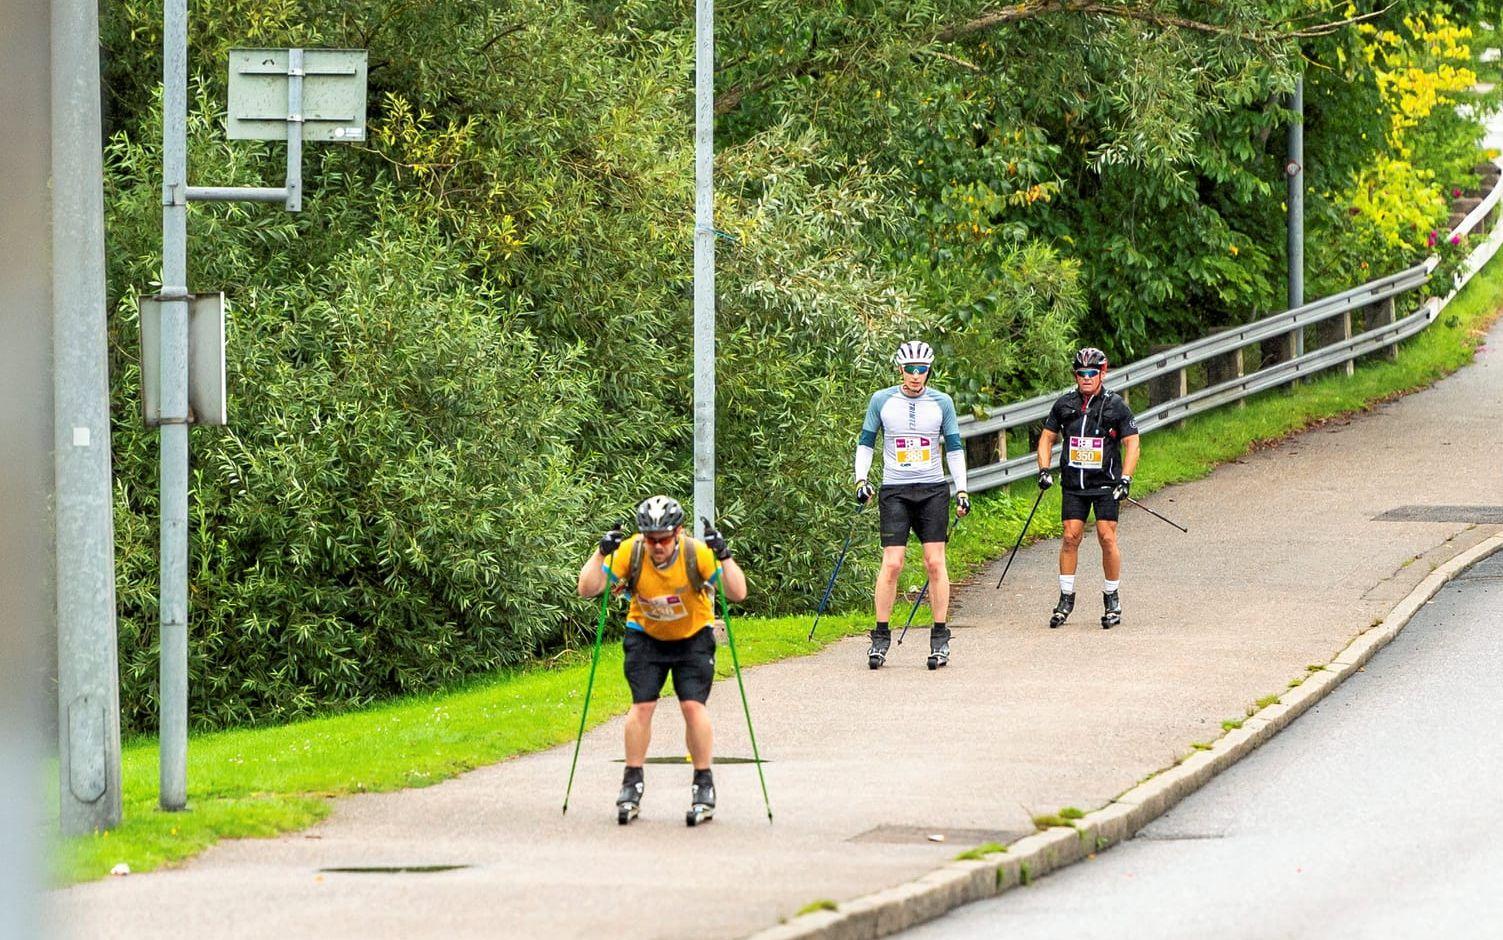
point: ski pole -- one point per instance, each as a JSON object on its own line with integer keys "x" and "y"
{"x": 730, "y": 640}
{"x": 1019, "y": 542}
{"x": 1152, "y": 513}
{"x": 836, "y": 573}
{"x": 923, "y": 590}
{"x": 605, "y": 594}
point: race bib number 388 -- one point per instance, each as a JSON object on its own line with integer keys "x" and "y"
{"x": 914, "y": 451}
{"x": 1085, "y": 452}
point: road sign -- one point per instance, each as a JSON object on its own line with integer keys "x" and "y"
{"x": 333, "y": 94}
{"x": 206, "y": 383}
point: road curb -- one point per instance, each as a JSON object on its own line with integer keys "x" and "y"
{"x": 961, "y": 882}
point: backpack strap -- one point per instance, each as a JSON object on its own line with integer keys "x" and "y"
{"x": 688, "y": 548}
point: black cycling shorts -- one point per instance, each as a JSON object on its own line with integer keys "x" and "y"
{"x": 649, "y": 662}
{"x": 920, "y": 508}
{"x": 1079, "y": 505}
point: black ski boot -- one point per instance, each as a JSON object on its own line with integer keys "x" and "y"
{"x": 877, "y": 655}
{"x": 939, "y": 648}
{"x": 701, "y": 799}
{"x": 1062, "y": 609}
{"x": 1113, "y": 615}
{"x": 629, "y": 803}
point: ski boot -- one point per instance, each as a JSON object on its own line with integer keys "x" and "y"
{"x": 1062, "y": 609}
{"x": 939, "y": 648}
{"x": 629, "y": 803}
{"x": 701, "y": 799}
{"x": 877, "y": 655}
{"x": 1113, "y": 615}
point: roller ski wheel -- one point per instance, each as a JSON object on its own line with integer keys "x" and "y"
{"x": 701, "y": 804}
{"x": 1062, "y": 610}
{"x": 629, "y": 803}
{"x": 877, "y": 655}
{"x": 1113, "y": 615}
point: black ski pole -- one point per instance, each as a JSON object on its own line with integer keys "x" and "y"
{"x": 1152, "y": 513}
{"x": 1019, "y": 542}
{"x": 836, "y": 573}
{"x": 730, "y": 640}
{"x": 605, "y": 594}
{"x": 922, "y": 591}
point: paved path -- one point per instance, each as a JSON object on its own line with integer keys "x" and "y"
{"x": 1380, "y": 804}
{"x": 1283, "y": 565}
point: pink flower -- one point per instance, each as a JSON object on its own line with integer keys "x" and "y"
{"x": 1455, "y": 239}
{"x": 1455, "y": 193}
{"x": 1430, "y": 240}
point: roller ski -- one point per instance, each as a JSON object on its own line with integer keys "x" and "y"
{"x": 629, "y": 803}
{"x": 1062, "y": 609}
{"x": 877, "y": 655}
{"x": 701, "y": 799}
{"x": 1113, "y": 615}
{"x": 939, "y": 648}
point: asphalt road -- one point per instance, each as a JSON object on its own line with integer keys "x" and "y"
{"x": 1376, "y": 814}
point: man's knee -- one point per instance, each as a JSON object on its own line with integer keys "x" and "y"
{"x": 642, "y": 711}
{"x": 1106, "y": 535}
{"x": 934, "y": 566}
{"x": 1072, "y": 538}
{"x": 891, "y": 567}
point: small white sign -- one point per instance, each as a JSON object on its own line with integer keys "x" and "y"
{"x": 80, "y": 437}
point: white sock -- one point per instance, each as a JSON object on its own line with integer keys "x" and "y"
{"x": 1067, "y": 584}
{"x": 1110, "y": 587}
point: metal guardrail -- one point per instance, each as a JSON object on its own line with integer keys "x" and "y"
{"x": 1173, "y": 361}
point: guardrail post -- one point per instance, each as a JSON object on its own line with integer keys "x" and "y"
{"x": 1224, "y": 368}
{"x": 1169, "y": 386}
{"x": 1276, "y": 349}
{"x": 986, "y": 449}
{"x": 1334, "y": 330}
{"x": 1381, "y": 314}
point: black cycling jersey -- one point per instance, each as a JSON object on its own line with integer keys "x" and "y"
{"x": 1091, "y": 432}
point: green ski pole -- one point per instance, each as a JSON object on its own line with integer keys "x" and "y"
{"x": 605, "y": 594}
{"x": 730, "y": 639}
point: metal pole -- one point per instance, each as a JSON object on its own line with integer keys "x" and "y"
{"x": 704, "y": 262}
{"x": 173, "y": 723}
{"x": 1295, "y": 169}
{"x": 88, "y": 693}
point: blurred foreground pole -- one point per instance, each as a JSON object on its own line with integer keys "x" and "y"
{"x": 26, "y": 471}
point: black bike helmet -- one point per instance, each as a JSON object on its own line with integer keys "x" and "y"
{"x": 1089, "y": 358}
{"x": 659, "y": 514}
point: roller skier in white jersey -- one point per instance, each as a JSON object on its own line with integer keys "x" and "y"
{"x": 917, "y": 423}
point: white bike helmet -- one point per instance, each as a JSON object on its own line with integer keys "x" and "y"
{"x": 659, "y": 514}
{"x": 914, "y": 351}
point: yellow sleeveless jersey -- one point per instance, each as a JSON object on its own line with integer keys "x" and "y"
{"x": 663, "y": 605}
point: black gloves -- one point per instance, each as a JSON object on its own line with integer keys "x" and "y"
{"x": 716, "y": 542}
{"x": 611, "y": 541}
{"x": 1045, "y": 479}
{"x": 962, "y": 503}
{"x": 1122, "y": 488}
{"x": 864, "y": 492}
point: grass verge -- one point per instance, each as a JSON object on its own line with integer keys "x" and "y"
{"x": 263, "y": 781}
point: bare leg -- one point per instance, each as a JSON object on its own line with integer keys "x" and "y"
{"x": 1111, "y": 557}
{"x": 638, "y": 732}
{"x": 887, "y": 579}
{"x": 939, "y": 580}
{"x": 1069, "y": 545}
{"x": 699, "y": 737}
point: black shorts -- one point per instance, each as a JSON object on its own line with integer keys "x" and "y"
{"x": 1079, "y": 505}
{"x": 650, "y": 660}
{"x": 922, "y": 508}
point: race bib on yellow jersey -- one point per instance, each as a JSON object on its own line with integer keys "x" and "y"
{"x": 1085, "y": 452}
{"x": 914, "y": 451}
{"x": 665, "y": 609}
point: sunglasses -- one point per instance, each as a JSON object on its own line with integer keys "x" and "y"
{"x": 915, "y": 369}
{"x": 663, "y": 539}
{"x": 1088, "y": 373}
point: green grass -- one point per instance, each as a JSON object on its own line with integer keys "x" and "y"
{"x": 262, "y": 781}
{"x": 823, "y": 904}
{"x": 1266, "y": 701}
{"x": 980, "y": 852}
{"x": 1232, "y": 724}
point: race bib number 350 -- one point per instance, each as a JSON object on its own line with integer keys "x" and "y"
{"x": 1085, "y": 452}
{"x": 914, "y": 451}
